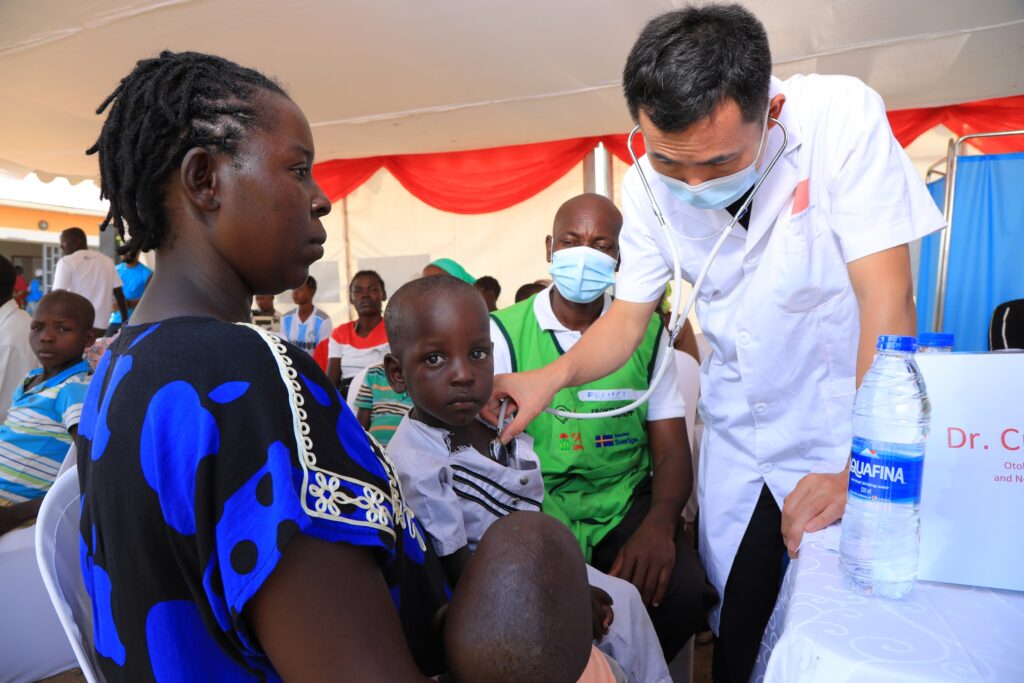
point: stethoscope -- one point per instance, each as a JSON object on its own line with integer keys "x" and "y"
{"x": 677, "y": 316}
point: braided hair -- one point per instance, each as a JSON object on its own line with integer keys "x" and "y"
{"x": 166, "y": 106}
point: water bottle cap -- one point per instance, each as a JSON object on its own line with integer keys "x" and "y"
{"x": 935, "y": 339}
{"x": 894, "y": 342}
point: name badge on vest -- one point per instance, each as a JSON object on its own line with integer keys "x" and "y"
{"x": 609, "y": 394}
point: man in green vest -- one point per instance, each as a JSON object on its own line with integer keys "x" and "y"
{"x": 619, "y": 483}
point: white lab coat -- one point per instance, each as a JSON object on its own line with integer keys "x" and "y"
{"x": 777, "y": 306}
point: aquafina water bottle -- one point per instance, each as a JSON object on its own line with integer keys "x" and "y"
{"x": 878, "y": 549}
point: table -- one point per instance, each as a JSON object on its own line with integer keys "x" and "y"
{"x": 820, "y": 631}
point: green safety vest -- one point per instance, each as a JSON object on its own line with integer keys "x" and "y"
{"x": 590, "y": 467}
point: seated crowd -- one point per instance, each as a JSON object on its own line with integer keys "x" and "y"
{"x": 558, "y": 557}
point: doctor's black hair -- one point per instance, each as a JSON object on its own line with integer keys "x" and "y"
{"x": 166, "y": 106}
{"x": 689, "y": 60}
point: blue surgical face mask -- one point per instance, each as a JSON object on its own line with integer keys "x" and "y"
{"x": 718, "y": 193}
{"x": 582, "y": 274}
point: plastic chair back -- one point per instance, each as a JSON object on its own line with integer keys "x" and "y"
{"x": 57, "y": 551}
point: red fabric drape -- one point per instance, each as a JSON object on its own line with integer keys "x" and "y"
{"x": 486, "y": 180}
{"x": 475, "y": 181}
{"x": 481, "y": 181}
{"x": 339, "y": 177}
{"x": 984, "y": 116}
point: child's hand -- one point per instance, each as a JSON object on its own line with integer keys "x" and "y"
{"x": 601, "y": 612}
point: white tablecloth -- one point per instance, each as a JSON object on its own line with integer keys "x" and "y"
{"x": 820, "y": 631}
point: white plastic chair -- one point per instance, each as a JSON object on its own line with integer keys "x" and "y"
{"x": 353, "y": 389}
{"x": 57, "y": 551}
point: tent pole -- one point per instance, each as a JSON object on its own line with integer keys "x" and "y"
{"x": 348, "y": 252}
{"x": 951, "y": 163}
{"x": 597, "y": 171}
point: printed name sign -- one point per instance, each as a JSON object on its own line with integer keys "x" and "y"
{"x": 972, "y": 495}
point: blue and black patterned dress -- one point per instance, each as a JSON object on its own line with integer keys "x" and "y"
{"x": 204, "y": 449}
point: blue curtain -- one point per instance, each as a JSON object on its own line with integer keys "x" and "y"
{"x": 986, "y": 250}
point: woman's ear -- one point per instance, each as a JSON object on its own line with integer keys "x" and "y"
{"x": 393, "y": 371}
{"x": 198, "y": 176}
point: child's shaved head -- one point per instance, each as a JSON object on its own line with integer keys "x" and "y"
{"x": 412, "y": 303}
{"x": 521, "y": 610}
{"x": 74, "y": 306}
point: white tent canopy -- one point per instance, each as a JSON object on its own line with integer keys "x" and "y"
{"x": 406, "y": 77}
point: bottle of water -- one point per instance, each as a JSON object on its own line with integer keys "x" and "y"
{"x": 878, "y": 548}
{"x": 935, "y": 342}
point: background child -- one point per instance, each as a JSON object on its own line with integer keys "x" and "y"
{"x": 441, "y": 355}
{"x": 264, "y": 314}
{"x": 46, "y": 408}
{"x": 380, "y": 408}
{"x": 306, "y": 325}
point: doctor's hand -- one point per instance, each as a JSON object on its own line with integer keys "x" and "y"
{"x": 529, "y": 393}
{"x": 647, "y": 559}
{"x": 817, "y": 501}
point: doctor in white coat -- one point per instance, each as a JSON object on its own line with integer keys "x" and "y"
{"x": 792, "y": 305}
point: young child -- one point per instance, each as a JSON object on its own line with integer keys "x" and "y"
{"x": 306, "y": 325}
{"x": 45, "y": 410}
{"x": 452, "y": 473}
{"x": 380, "y": 408}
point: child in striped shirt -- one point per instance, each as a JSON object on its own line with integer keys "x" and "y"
{"x": 43, "y": 418}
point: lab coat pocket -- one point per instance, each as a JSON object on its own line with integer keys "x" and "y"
{"x": 808, "y": 272}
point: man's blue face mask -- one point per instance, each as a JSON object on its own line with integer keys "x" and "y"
{"x": 718, "y": 193}
{"x": 582, "y": 274}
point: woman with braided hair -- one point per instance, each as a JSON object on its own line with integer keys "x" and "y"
{"x": 237, "y": 524}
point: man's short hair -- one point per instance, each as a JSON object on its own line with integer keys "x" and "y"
{"x": 489, "y": 284}
{"x": 7, "y": 278}
{"x": 311, "y": 282}
{"x": 77, "y": 235}
{"x": 688, "y": 61}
